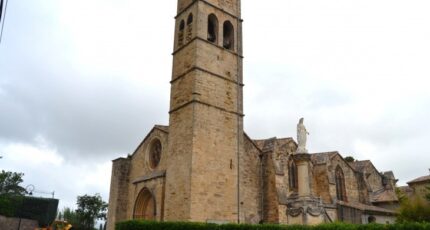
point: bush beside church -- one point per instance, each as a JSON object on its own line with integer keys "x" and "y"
{"x": 143, "y": 225}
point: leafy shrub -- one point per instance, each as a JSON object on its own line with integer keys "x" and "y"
{"x": 10, "y": 204}
{"x": 414, "y": 210}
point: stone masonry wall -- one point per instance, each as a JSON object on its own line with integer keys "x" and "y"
{"x": 206, "y": 126}
{"x": 118, "y": 192}
{"x": 250, "y": 184}
{"x": 140, "y": 168}
{"x": 214, "y": 169}
{"x": 351, "y": 183}
{"x": 178, "y": 176}
{"x": 270, "y": 207}
{"x": 374, "y": 180}
{"x": 420, "y": 189}
{"x": 321, "y": 183}
{"x": 231, "y": 6}
{"x": 7, "y": 223}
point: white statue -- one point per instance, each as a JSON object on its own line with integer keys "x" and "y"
{"x": 302, "y": 134}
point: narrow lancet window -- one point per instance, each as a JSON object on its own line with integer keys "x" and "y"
{"x": 340, "y": 185}
{"x": 292, "y": 174}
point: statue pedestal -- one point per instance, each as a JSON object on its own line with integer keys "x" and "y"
{"x": 301, "y": 150}
{"x": 304, "y": 209}
{"x": 302, "y": 161}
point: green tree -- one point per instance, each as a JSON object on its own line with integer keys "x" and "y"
{"x": 71, "y": 217}
{"x": 349, "y": 159}
{"x": 10, "y": 183}
{"x": 11, "y": 192}
{"x": 401, "y": 195}
{"x": 90, "y": 209}
{"x": 414, "y": 210}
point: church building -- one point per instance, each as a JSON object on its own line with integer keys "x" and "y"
{"x": 203, "y": 167}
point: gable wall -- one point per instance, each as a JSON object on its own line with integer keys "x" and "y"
{"x": 374, "y": 180}
{"x": 140, "y": 167}
{"x": 351, "y": 185}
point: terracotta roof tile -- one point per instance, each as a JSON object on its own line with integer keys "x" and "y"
{"x": 384, "y": 196}
{"x": 365, "y": 207}
{"x": 420, "y": 179}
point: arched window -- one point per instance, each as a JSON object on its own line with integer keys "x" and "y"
{"x": 213, "y": 28}
{"x": 181, "y": 33}
{"x": 144, "y": 207}
{"x": 190, "y": 19}
{"x": 340, "y": 185}
{"x": 292, "y": 176}
{"x": 189, "y": 27}
{"x": 228, "y": 29}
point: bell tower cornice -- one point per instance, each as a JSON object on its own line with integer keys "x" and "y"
{"x": 181, "y": 11}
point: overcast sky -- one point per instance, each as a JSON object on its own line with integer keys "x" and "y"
{"x": 82, "y": 82}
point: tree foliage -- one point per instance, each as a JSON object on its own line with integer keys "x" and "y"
{"x": 11, "y": 193}
{"x": 428, "y": 194}
{"x": 349, "y": 159}
{"x": 70, "y": 216}
{"x": 90, "y": 209}
{"x": 414, "y": 210}
{"x": 10, "y": 183}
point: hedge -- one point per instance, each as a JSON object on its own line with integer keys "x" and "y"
{"x": 41, "y": 209}
{"x": 145, "y": 225}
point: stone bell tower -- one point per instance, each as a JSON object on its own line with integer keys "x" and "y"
{"x": 206, "y": 114}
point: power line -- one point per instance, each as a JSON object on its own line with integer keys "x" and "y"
{"x": 4, "y": 19}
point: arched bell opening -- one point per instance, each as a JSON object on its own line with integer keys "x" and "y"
{"x": 213, "y": 28}
{"x": 228, "y": 29}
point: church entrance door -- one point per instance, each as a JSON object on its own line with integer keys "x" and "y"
{"x": 144, "y": 207}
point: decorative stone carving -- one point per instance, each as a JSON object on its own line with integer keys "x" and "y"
{"x": 294, "y": 212}
{"x": 311, "y": 206}
{"x": 301, "y": 157}
{"x": 315, "y": 211}
{"x": 302, "y": 134}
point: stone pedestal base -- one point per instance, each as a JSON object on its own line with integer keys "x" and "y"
{"x": 306, "y": 211}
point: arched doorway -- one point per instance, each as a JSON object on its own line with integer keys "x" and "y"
{"x": 144, "y": 207}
